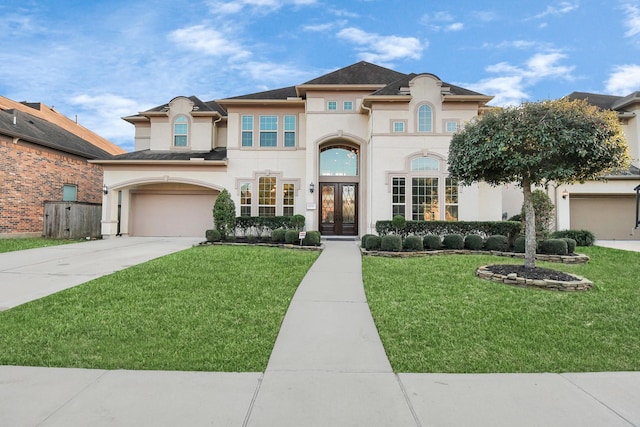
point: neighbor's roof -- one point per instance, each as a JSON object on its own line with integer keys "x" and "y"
{"x": 36, "y": 130}
{"x": 44, "y": 112}
{"x": 607, "y": 102}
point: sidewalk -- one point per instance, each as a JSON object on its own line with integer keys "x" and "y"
{"x": 328, "y": 368}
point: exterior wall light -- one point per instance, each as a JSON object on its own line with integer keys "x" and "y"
{"x": 565, "y": 194}
{"x": 105, "y": 189}
{"x": 312, "y": 187}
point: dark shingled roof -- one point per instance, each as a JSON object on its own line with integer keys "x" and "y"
{"x": 393, "y": 88}
{"x": 38, "y": 131}
{"x": 198, "y": 105}
{"x": 282, "y": 93}
{"x": 361, "y": 73}
{"x": 602, "y": 101}
{"x": 215, "y": 154}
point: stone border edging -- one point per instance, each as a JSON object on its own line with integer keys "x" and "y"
{"x": 580, "y": 284}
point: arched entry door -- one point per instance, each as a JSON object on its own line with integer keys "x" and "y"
{"x": 338, "y": 193}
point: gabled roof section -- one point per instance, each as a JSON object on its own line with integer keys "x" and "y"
{"x": 200, "y": 108}
{"x": 361, "y": 73}
{"x": 20, "y": 125}
{"x": 40, "y": 110}
{"x": 628, "y": 100}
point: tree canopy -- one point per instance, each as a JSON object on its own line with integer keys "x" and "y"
{"x": 560, "y": 141}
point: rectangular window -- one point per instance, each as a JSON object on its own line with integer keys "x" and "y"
{"x": 245, "y": 199}
{"x": 332, "y": 105}
{"x": 398, "y": 196}
{"x": 347, "y": 105}
{"x": 424, "y": 199}
{"x": 69, "y": 193}
{"x": 267, "y": 196}
{"x": 247, "y": 131}
{"x": 180, "y": 131}
{"x": 451, "y": 126}
{"x": 451, "y": 199}
{"x": 398, "y": 127}
{"x": 287, "y": 200}
{"x": 289, "y": 131}
{"x": 268, "y": 131}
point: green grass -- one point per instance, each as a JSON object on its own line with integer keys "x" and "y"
{"x": 10, "y": 245}
{"x": 212, "y": 308}
{"x": 434, "y": 315}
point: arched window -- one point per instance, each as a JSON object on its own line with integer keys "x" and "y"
{"x": 180, "y": 131}
{"x": 424, "y": 193}
{"x": 339, "y": 161}
{"x": 425, "y": 119}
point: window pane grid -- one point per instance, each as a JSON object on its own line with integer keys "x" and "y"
{"x": 245, "y": 199}
{"x": 424, "y": 119}
{"x": 268, "y": 131}
{"x": 424, "y": 199}
{"x": 267, "y": 196}
{"x": 398, "y": 196}
{"x": 287, "y": 199}
{"x": 451, "y": 199}
{"x": 247, "y": 131}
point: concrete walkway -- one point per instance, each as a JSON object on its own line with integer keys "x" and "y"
{"x": 328, "y": 368}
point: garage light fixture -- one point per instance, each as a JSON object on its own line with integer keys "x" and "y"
{"x": 105, "y": 189}
{"x": 565, "y": 194}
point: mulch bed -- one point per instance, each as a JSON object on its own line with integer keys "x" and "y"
{"x": 536, "y": 273}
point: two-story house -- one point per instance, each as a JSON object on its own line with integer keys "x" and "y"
{"x": 346, "y": 149}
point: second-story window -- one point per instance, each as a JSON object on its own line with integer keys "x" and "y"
{"x": 347, "y": 105}
{"x": 268, "y": 131}
{"x": 247, "y": 131}
{"x": 180, "y": 131}
{"x": 332, "y": 105}
{"x": 289, "y": 131}
{"x": 425, "y": 119}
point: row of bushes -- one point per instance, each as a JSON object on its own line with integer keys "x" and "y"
{"x": 279, "y": 235}
{"x": 511, "y": 229}
{"x": 259, "y": 226}
{"x": 474, "y": 242}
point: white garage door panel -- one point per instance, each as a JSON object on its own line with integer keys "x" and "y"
{"x": 188, "y": 215}
{"x": 606, "y": 217}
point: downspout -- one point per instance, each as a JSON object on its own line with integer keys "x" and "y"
{"x": 369, "y": 171}
{"x": 213, "y": 133}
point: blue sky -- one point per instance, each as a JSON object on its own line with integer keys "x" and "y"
{"x": 102, "y": 60}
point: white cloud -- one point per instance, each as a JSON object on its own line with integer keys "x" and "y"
{"x": 382, "y": 49}
{"x": 441, "y": 20}
{"x": 272, "y": 72}
{"x": 457, "y": 26}
{"x": 632, "y": 22}
{"x": 261, "y": 6}
{"x": 623, "y": 80}
{"x": 561, "y": 9}
{"x": 509, "y": 87}
{"x": 208, "y": 41}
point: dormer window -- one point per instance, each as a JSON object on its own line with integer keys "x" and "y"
{"x": 425, "y": 119}
{"x": 180, "y": 131}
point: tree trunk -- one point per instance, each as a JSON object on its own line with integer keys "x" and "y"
{"x": 530, "y": 226}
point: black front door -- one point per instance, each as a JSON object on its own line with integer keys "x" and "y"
{"x": 339, "y": 209}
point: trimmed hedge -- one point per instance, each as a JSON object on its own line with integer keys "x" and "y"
{"x": 582, "y": 237}
{"x": 497, "y": 243}
{"x": 391, "y": 243}
{"x": 453, "y": 241}
{"x": 291, "y": 236}
{"x": 264, "y": 225}
{"x": 277, "y": 235}
{"x": 511, "y": 229}
{"x": 520, "y": 245}
{"x": 432, "y": 242}
{"x": 554, "y": 247}
{"x": 212, "y": 235}
{"x": 473, "y": 242}
{"x": 312, "y": 238}
{"x": 363, "y": 240}
{"x": 413, "y": 243}
{"x": 373, "y": 243}
{"x": 571, "y": 244}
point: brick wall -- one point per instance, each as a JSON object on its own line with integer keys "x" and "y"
{"x": 31, "y": 175}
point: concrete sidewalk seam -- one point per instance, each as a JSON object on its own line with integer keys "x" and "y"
{"x": 406, "y": 398}
{"x": 631, "y": 423}
{"x": 247, "y": 417}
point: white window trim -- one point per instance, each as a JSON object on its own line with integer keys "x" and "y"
{"x": 255, "y": 193}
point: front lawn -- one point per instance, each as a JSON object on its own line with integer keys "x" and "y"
{"x": 434, "y": 315}
{"x": 10, "y": 245}
{"x": 211, "y": 308}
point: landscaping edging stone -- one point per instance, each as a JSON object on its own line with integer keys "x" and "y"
{"x": 273, "y": 245}
{"x": 580, "y": 284}
{"x": 564, "y": 259}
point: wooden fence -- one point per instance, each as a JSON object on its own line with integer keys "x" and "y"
{"x": 72, "y": 220}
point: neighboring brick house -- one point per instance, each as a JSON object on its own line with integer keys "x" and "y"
{"x": 44, "y": 157}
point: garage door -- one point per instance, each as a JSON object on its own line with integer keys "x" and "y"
{"x": 158, "y": 214}
{"x": 608, "y": 217}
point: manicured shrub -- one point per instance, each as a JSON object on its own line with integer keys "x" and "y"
{"x": 277, "y": 235}
{"x": 363, "y": 240}
{"x": 399, "y": 222}
{"x": 582, "y": 237}
{"x": 312, "y": 238}
{"x": 373, "y": 243}
{"x": 391, "y": 243}
{"x": 497, "y": 243}
{"x": 297, "y": 222}
{"x": 431, "y": 242}
{"x": 571, "y": 245}
{"x": 453, "y": 241}
{"x": 519, "y": 245}
{"x": 511, "y": 229}
{"x": 516, "y": 217}
{"x": 291, "y": 236}
{"x": 554, "y": 247}
{"x": 473, "y": 242}
{"x": 413, "y": 243}
{"x": 224, "y": 214}
{"x": 212, "y": 235}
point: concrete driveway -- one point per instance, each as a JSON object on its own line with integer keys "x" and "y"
{"x": 31, "y": 274}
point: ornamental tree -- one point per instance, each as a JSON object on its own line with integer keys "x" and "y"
{"x": 535, "y": 143}
{"x": 224, "y": 214}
